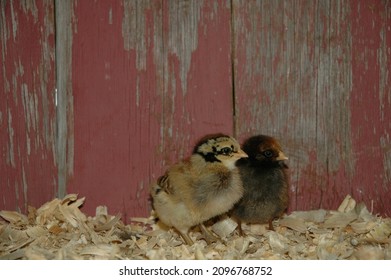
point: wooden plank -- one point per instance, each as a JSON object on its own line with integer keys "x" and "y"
{"x": 65, "y": 138}
{"x": 149, "y": 78}
{"x": 296, "y": 79}
{"x": 28, "y": 173}
{"x": 197, "y": 83}
{"x": 370, "y": 103}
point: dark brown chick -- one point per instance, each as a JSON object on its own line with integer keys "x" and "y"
{"x": 204, "y": 186}
{"x": 265, "y": 181}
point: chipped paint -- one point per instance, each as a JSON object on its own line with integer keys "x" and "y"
{"x": 29, "y": 6}
{"x": 133, "y": 30}
{"x": 111, "y": 16}
{"x": 369, "y": 104}
{"x": 296, "y": 78}
{"x": 151, "y": 97}
{"x": 25, "y": 185}
{"x": 28, "y": 112}
{"x": 384, "y": 60}
{"x": 14, "y": 21}
{"x": 11, "y": 150}
{"x": 300, "y": 81}
{"x": 184, "y": 17}
{"x": 385, "y": 144}
{"x": 183, "y": 22}
{"x": 4, "y": 35}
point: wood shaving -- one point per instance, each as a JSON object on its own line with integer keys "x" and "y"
{"x": 60, "y": 230}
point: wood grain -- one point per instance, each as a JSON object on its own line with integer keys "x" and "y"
{"x": 300, "y": 68}
{"x": 64, "y": 113}
{"x": 149, "y": 78}
{"x": 28, "y": 173}
{"x": 370, "y": 103}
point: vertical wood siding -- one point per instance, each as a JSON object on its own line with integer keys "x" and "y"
{"x": 316, "y": 75}
{"x": 28, "y": 174}
{"x": 149, "y": 78}
{"x": 65, "y": 122}
{"x": 370, "y": 103}
{"x": 140, "y": 81}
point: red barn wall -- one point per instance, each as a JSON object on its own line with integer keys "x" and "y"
{"x": 28, "y": 173}
{"x": 316, "y": 75}
{"x": 139, "y": 82}
{"x": 149, "y": 78}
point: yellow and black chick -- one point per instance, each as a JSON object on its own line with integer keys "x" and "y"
{"x": 265, "y": 181}
{"x": 204, "y": 186}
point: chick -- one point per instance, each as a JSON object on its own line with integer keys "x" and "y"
{"x": 265, "y": 181}
{"x": 204, "y": 186}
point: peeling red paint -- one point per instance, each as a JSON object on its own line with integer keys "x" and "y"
{"x": 27, "y": 110}
{"x": 133, "y": 117}
{"x": 308, "y": 72}
{"x": 371, "y": 111}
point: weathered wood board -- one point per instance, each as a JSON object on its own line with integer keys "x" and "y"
{"x": 28, "y": 174}
{"x": 316, "y": 75}
{"x": 149, "y": 78}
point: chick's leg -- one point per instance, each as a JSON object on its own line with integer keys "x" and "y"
{"x": 187, "y": 238}
{"x": 241, "y": 233}
{"x": 208, "y": 235}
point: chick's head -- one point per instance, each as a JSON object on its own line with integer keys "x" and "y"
{"x": 264, "y": 150}
{"x": 220, "y": 148}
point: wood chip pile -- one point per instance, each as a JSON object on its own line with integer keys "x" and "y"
{"x": 60, "y": 230}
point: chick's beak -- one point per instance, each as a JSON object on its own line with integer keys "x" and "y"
{"x": 281, "y": 156}
{"x": 241, "y": 154}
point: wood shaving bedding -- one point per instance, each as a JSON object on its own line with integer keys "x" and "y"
{"x": 60, "y": 230}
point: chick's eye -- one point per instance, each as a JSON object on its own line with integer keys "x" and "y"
{"x": 268, "y": 154}
{"x": 226, "y": 150}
